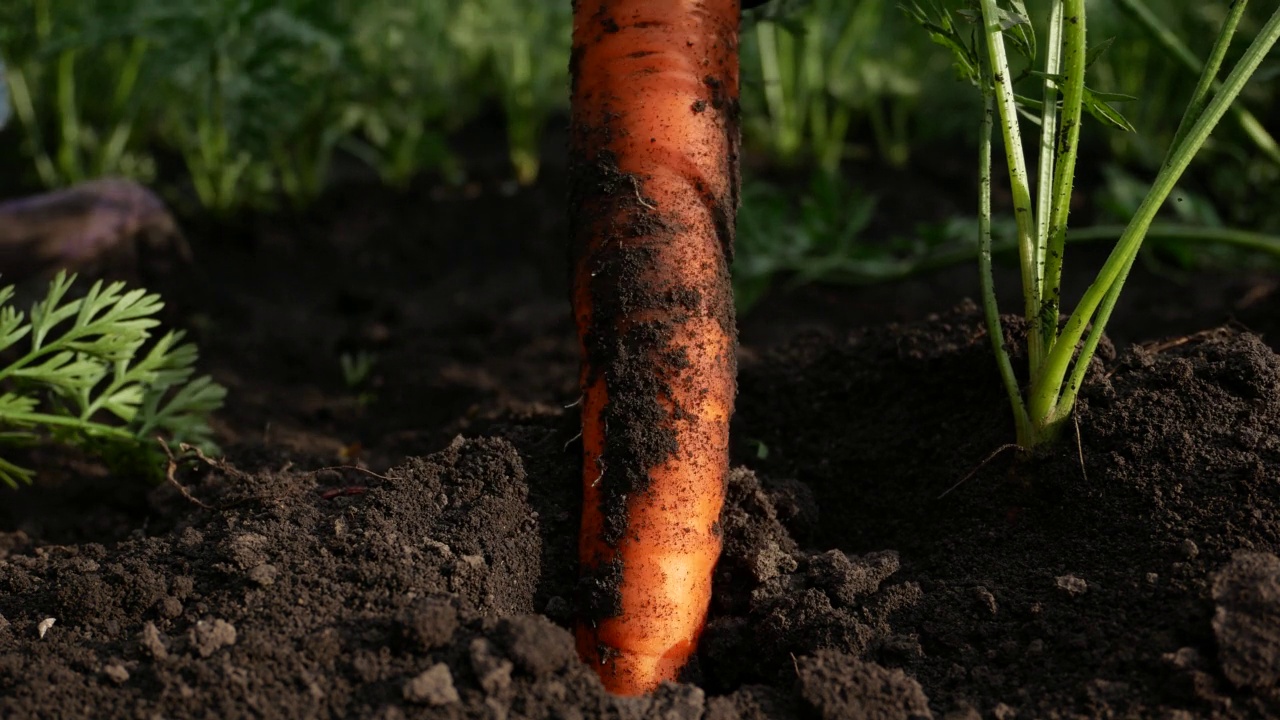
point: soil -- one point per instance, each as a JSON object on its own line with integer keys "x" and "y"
{"x": 1130, "y": 571}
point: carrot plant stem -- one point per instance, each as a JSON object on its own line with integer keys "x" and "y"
{"x": 1209, "y": 73}
{"x": 1045, "y": 397}
{"x": 1174, "y": 46}
{"x": 1065, "y": 147}
{"x": 990, "y": 306}
{"x": 1068, "y": 399}
{"x": 1243, "y": 239}
{"x": 1048, "y": 135}
{"x": 1018, "y": 179}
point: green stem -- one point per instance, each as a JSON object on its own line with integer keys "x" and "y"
{"x": 109, "y": 157}
{"x": 1066, "y": 146}
{"x": 991, "y": 308}
{"x": 68, "y": 121}
{"x": 24, "y": 108}
{"x": 1045, "y": 395}
{"x": 1209, "y": 74}
{"x": 1174, "y": 46}
{"x": 1048, "y": 137}
{"x": 75, "y": 423}
{"x": 1018, "y": 178}
{"x": 1243, "y": 239}
{"x": 1068, "y": 399}
{"x": 780, "y": 115}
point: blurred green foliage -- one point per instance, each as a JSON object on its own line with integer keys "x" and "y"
{"x": 871, "y": 72}
{"x": 254, "y": 97}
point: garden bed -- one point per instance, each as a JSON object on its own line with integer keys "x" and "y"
{"x": 1126, "y": 573}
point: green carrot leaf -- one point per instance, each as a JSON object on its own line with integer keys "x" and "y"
{"x": 88, "y": 375}
{"x": 1095, "y": 53}
{"x": 1096, "y": 105}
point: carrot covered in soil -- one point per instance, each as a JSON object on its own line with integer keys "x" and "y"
{"x": 654, "y": 190}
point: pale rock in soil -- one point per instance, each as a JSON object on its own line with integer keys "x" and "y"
{"x": 1072, "y": 585}
{"x": 109, "y": 226}
{"x": 210, "y": 635}
{"x": 153, "y": 642}
{"x": 264, "y": 574}
{"x": 116, "y": 673}
{"x": 432, "y": 687}
{"x": 1247, "y": 619}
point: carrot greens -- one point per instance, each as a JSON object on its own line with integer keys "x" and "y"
{"x": 80, "y": 371}
{"x": 1058, "y": 353}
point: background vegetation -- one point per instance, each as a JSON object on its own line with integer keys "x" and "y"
{"x": 263, "y": 103}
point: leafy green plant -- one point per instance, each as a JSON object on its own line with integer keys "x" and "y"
{"x": 525, "y": 48}
{"x": 79, "y": 371}
{"x": 822, "y": 65}
{"x": 247, "y": 83}
{"x": 814, "y": 238}
{"x": 414, "y": 88}
{"x": 1175, "y": 48}
{"x": 61, "y": 56}
{"x": 982, "y": 58}
{"x": 357, "y": 369}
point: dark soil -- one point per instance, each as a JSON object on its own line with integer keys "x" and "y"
{"x": 1131, "y": 571}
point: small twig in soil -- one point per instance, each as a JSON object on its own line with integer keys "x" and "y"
{"x": 344, "y": 492}
{"x": 984, "y": 463}
{"x": 357, "y": 468}
{"x": 1164, "y": 345}
{"x": 348, "y": 490}
{"x": 169, "y": 477}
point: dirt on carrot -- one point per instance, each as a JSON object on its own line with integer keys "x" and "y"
{"x": 653, "y": 190}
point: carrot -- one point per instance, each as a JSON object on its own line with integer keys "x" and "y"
{"x": 654, "y": 191}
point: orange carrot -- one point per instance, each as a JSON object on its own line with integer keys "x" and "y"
{"x": 654, "y": 190}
